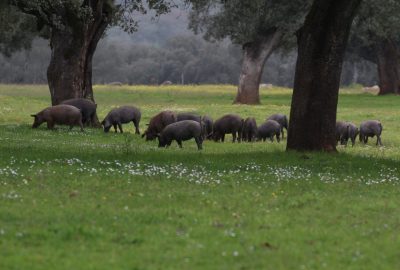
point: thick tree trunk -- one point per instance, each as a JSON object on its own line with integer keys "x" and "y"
{"x": 66, "y": 72}
{"x": 388, "y": 67}
{"x": 254, "y": 56}
{"x": 321, "y": 46}
{"x": 72, "y": 48}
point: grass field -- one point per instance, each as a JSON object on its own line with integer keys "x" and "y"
{"x": 72, "y": 200}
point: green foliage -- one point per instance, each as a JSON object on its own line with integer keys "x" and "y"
{"x": 21, "y": 20}
{"x": 16, "y": 30}
{"x": 72, "y": 200}
{"x": 375, "y": 22}
{"x": 64, "y": 13}
{"x": 245, "y": 21}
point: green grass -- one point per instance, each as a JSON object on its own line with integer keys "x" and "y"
{"x": 72, "y": 200}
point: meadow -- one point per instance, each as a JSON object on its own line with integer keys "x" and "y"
{"x": 73, "y": 200}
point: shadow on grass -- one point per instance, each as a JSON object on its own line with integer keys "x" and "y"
{"x": 214, "y": 157}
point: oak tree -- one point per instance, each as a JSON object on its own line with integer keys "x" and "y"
{"x": 74, "y": 29}
{"x": 322, "y": 43}
{"x": 259, "y": 26}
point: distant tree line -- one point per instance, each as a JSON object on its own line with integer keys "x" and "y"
{"x": 182, "y": 59}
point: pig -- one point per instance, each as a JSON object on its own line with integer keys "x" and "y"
{"x": 282, "y": 120}
{"x": 188, "y": 116}
{"x": 158, "y": 123}
{"x": 60, "y": 115}
{"x": 208, "y": 126}
{"x": 346, "y": 131}
{"x": 353, "y": 132}
{"x": 122, "y": 115}
{"x": 181, "y": 131}
{"x": 229, "y": 123}
{"x": 341, "y": 132}
{"x": 87, "y": 107}
{"x": 371, "y": 128}
{"x": 249, "y": 131}
{"x": 269, "y": 129}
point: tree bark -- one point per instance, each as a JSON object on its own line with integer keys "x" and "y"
{"x": 72, "y": 48}
{"x": 388, "y": 67}
{"x": 254, "y": 56}
{"x": 321, "y": 47}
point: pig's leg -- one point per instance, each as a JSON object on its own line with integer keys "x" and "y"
{"x": 222, "y": 137}
{"x": 233, "y": 136}
{"x": 120, "y": 127}
{"x": 179, "y": 143}
{"x": 115, "y": 128}
{"x": 283, "y": 134}
{"x": 198, "y": 142}
{"x": 378, "y": 140}
{"x": 136, "y": 124}
{"x": 278, "y": 137}
{"x": 50, "y": 125}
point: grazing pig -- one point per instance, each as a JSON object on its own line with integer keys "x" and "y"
{"x": 188, "y": 116}
{"x": 208, "y": 126}
{"x": 229, "y": 123}
{"x": 269, "y": 129}
{"x": 158, "y": 123}
{"x": 60, "y": 115}
{"x": 122, "y": 115}
{"x": 346, "y": 131}
{"x": 87, "y": 107}
{"x": 342, "y": 130}
{"x": 282, "y": 120}
{"x": 249, "y": 131}
{"x": 371, "y": 128}
{"x": 181, "y": 131}
{"x": 353, "y": 132}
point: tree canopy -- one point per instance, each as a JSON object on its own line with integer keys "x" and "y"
{"x": 375, "y": 22}
{"x": 16, "y": 30}
{"x": 245, "y": 21}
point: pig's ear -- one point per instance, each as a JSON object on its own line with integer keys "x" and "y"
{"x": 33, "y": 115}
{"x": 158, "y": 135}
{"x": 103, "y": 122}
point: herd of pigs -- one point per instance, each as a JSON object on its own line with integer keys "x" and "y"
{"x": 168, "y": 126}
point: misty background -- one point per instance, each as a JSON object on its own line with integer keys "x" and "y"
{"x": 166, "y": 50}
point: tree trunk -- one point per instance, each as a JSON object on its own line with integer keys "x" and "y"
{"x": 66, "y": 72}
{"x": 72, "y": 48}
{"x": 388, "y": 67}
{"x": 254, "y": 56}
{"x": 321, "y": 46}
